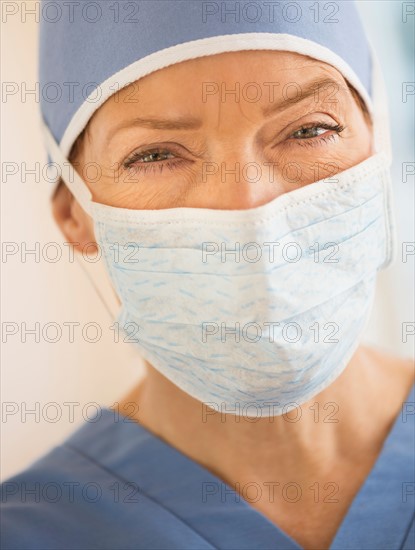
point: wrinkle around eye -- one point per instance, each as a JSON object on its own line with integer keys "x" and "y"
{"x": 289, "y": 122}
{"x": 190, "y": 146}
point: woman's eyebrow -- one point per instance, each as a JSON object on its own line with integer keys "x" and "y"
{"x": 316, "y": 88}
{"x": 180, "y": 123}
{"x": 308, "y": 90}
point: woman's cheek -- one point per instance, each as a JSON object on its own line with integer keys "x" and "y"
{"x": 306, "y": 166}
{"x": 303, "y": 164}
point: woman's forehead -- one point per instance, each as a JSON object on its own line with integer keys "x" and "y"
{"x": 253, "y": 77}
{"x": 256, "y": 66}
{"x": 188, "y": 95}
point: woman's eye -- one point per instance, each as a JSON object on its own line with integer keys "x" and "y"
{"x": 316, "y": 131}
{"x": 306, "y": 133}
{"x": 153, "y": 159}
{"x": 153, "y": 155}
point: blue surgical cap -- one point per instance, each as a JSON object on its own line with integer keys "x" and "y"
{"x": 91, "y": 49}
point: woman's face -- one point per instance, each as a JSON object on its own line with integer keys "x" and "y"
{"x": 229, "y": 131}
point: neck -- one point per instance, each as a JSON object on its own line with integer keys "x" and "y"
{"x": 237, "y": 448}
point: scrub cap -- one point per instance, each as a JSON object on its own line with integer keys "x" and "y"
{"x": 91, "y": 49}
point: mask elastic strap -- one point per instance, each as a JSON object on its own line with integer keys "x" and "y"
{"x": 83, "y": 195}
{"x": 68, "y": 173}
{"x": 110, "y": 306}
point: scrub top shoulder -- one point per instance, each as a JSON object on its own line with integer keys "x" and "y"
{"x": 114, "y": 485}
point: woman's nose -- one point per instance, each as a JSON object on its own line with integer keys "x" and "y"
{"x": 241, "y": 180}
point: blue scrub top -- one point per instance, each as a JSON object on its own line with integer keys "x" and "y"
{"x": 114, "y": 485}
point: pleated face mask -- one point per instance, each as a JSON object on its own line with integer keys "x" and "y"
{"x": 251, "y": 308}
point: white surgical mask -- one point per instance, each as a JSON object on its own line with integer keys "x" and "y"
{"x": 257, "y": 309}
{"x": 252, "y": 308}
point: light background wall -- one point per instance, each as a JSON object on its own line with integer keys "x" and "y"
{"x": 44, "y": 376}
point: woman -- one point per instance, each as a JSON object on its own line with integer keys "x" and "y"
{"x": 244, "y": 256}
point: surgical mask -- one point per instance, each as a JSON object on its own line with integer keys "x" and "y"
{"x": 250, "y": 311}
{"x": 255, "y": 309}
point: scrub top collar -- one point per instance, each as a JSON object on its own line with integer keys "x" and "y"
{"x": 380, "y": 515}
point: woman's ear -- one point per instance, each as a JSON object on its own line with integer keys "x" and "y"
{"x": 72, "y": 220}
